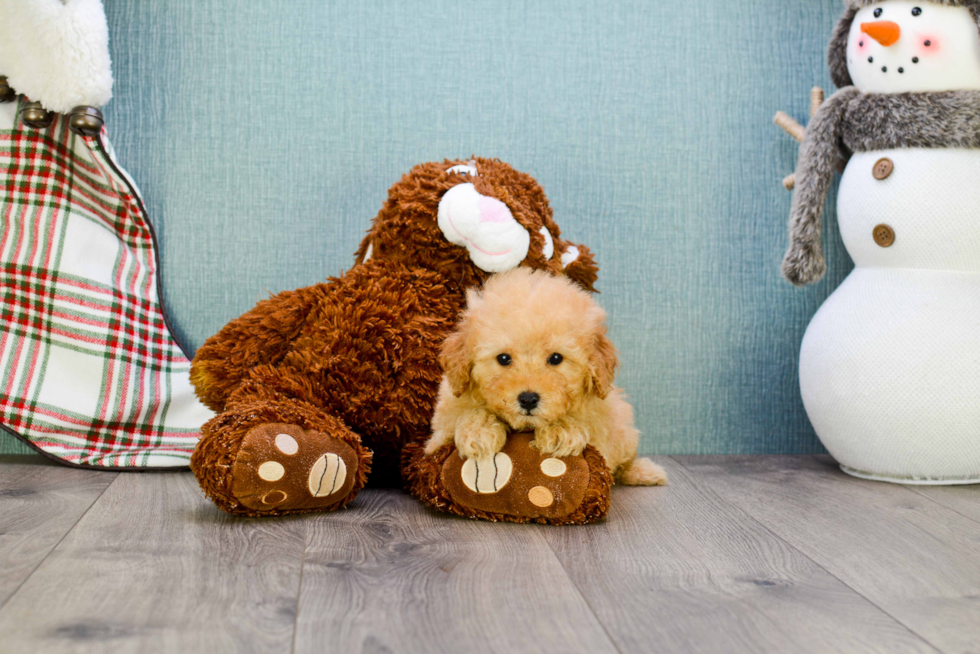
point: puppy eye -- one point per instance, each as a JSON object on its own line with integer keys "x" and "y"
{"x": 555, "y": 359}
{"x": 503, "y": 359}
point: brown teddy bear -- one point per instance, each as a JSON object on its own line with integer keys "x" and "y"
{"x": 318, "y": 387}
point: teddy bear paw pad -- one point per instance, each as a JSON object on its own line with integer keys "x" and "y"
{"x": 488, "y": 475}
{"x": 518, "y": 481}
{"x": 327, "y": 475}
{"x": 284, "y": 467}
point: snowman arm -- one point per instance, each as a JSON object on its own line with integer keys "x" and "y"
{"x": 804, "y": 261}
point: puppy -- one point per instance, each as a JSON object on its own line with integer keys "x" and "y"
{"x": 531, "y": 353}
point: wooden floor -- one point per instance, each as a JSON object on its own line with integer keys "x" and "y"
{"x": 738, "y": 554}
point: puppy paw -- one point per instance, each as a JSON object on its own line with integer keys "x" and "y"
{"x": 479, "y": 435}
{"x": 561, "y": 439}
{"x": 641, "y": 472}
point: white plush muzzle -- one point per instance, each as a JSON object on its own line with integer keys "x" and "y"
{"x": 485, "y": 226}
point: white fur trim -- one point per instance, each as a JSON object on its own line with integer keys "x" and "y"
{"x": 485, "y": 227}
{"x": 549, "y": 243}
{"x": 569, "y": 255}
{"x": 56, "y": 53}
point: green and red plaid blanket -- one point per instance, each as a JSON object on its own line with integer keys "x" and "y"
{"x": 89, "y": 370}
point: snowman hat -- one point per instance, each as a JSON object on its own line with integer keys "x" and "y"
{"x": 837, "y": 52}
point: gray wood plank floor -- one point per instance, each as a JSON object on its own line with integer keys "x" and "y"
{"x": 738, "y": 554}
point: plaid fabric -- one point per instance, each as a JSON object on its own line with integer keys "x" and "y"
{"x": 89, "y": 371}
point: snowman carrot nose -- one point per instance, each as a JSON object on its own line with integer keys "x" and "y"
{"x": 884, "y": 32}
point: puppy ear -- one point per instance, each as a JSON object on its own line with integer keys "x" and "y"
{"x": 456, "y": 362}
{"x": 602, "y": 366}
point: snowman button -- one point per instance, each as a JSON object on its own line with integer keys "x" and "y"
{"x": 883, "y": 168}
{"x": 883, "y": 235}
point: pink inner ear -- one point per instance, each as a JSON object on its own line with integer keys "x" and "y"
{"x": 493, "y": 211}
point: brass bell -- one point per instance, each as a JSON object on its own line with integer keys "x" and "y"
{"x": 7, "y": 94}
{"x": 34, "y": 115}
{"x": 85, "y": 121}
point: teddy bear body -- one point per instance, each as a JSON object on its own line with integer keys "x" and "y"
{"x": 313, "y": 384}
{"x": 380, "y": 377}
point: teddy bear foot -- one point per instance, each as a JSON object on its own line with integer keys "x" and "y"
{"x": 518, "y": 484}
{"x": 258, "y": 468}
{"x": 285, "y": 468}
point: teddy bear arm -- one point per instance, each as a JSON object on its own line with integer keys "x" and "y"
{"x": 263, "y": 335}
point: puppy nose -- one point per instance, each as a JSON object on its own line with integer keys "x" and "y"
{"x": 528, "y": 400}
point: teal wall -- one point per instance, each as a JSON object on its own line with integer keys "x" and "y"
{"x": 264, "y": 135}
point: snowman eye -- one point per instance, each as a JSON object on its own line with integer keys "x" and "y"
{"x": 916, "y": 11}
{"x": 878, "y": 12}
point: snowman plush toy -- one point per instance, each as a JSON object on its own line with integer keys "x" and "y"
{"x": 890, "y": 364}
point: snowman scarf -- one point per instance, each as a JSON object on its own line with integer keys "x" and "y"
{"x": 851, "y": 121}
{"x": 90, "y": 373}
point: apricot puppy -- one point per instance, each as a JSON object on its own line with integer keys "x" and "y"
{"x": 531, "y": 353}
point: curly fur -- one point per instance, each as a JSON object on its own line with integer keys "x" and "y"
{"x": 529, "y": 316}
{"x": 851, "y": 121}
{"x": 361, "y": 350}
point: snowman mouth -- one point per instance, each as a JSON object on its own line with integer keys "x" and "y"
{"x": 886, "y": 69}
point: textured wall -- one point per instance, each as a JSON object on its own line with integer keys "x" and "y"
{"x": 265, "y": 134}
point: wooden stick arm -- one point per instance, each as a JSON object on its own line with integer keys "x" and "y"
{"x": 790, "y": 126}
{"x": 797, "y": 131}
{"x": 816, "y": 99}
